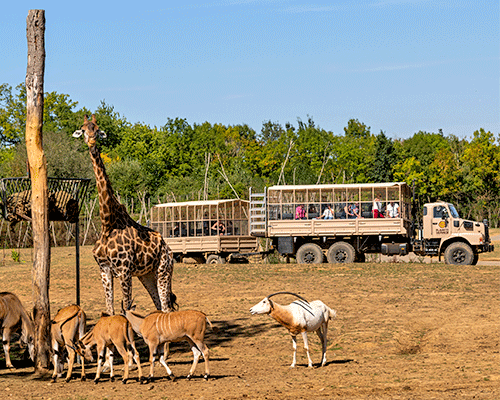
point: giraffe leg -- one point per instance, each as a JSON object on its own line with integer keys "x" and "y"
{"x": 126, "y": 285}
{"x": 164, "y": 281}
{"x": 149, "y": 282}
{"x": 107, "y": 283}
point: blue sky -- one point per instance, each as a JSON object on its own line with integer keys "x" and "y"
{"x": 399, "y": 66}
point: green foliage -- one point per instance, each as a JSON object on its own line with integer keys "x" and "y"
{"x": 12, "y": 115}
{"x": 16, "y": 257}
{"x": 356, "y": 130}
{"x": 180, "y": 161}
{"x": 384, "y": 160}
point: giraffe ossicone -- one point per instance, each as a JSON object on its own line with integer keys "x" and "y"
{"x": 125, "y": 248}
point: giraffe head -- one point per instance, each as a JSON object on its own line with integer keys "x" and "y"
{"x": 90, "y": 131}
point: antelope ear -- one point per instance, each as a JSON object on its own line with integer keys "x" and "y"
{"x": 78, "y": 133}
{"x": 102, "y": 134}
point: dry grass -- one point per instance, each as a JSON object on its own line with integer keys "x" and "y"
{"x": 403, "y": 330}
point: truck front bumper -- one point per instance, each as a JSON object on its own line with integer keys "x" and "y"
{"x": 485, "y": 248}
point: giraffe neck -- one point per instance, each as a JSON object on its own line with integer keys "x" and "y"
{"x": 108, "y": 203}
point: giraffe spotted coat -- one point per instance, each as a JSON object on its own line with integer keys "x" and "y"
{"x": 126, "y": 248}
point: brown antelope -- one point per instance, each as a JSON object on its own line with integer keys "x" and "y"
{"x": 160, "y": 328}
{"x": 299, "y": 317}
{"x": 68, "y": 326}
{"x": 111, "y": 332}
{"x": 12, "y": 314}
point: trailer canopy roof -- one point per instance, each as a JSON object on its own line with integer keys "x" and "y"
{"x": 337, "y": 186}
{"x": 199, "y": 203}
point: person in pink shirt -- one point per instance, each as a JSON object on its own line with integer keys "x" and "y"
{"x": 300, "y": 212}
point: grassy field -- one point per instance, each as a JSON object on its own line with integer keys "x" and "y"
{"x": 403, "y": 331}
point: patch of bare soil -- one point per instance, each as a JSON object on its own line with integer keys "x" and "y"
{"x": 403, "y": 331}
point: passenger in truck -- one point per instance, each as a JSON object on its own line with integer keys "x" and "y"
{"x": 300, "y": 212}
{"x": 377, "y": 208}
{"x": 218, "y": 228}
{"x": 327, "y": 213}
{"x": 392, "y": 210}
{"x": 349, "y": 211}
{"x": 355, "y": 211}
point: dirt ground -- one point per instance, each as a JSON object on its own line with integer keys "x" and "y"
{"x": 403, "y": 331}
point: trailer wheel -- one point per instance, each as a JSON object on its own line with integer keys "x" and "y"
{"x": 215, "y": 259}
{"x": 310, "y": 253}
{"x": 340, "y": 252}
{"x": 459, "y": 253}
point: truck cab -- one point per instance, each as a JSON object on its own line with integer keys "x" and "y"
{"x": 444, "y": 233}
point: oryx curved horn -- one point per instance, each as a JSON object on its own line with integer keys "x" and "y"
{"x": 293, "y": 294}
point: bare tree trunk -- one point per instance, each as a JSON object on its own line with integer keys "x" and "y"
{"x": 35, "y": 33}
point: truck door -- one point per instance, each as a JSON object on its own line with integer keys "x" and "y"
{"x": 440, "y": 221}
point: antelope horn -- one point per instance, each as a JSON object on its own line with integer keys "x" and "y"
{"x": 293, "y": 294}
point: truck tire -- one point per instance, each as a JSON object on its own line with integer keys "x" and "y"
{"x": 310, "y": 253}
{"x": 340, "y": 252}
{"x": 459, "y": 253}
{"x": 215, "y": 259}
{"x": 476, "y": 259}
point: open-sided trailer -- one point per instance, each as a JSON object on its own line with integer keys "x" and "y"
{"x": 212, "y": 231}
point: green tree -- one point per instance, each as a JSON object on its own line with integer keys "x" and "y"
{"x": 356, "y": 130}
{"x": 481, "y": 166}
{"x": 384, "y": 160}
{"x": 12, "y": 115}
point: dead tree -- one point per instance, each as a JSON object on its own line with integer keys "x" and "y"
{"x": 35, "y": 33}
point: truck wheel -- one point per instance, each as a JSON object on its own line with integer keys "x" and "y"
{"x": 215, "y": 259}
{"x": 340, "y": 252}
{"x": 459, "y": 253}
{"x": 310, "y": 253}
{"x": 475, "y": 259}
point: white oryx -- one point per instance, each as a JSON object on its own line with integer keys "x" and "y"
{"x": 301, "y": 317}
{"x": 12, "y": 314}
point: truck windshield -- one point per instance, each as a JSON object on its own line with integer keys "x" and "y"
{"x": 453, "y": 211}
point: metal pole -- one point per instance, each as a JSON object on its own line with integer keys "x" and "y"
{"x": 77, "y": 236}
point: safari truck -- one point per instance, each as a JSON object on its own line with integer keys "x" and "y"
{"x": 211, "y": 232}
{"x": 343, "y": 223}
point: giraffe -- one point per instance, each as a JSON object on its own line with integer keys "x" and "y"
{"x": 126, "y": 248}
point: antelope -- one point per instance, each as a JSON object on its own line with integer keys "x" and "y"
{"x": 111, "y": 332}
{"x": 68, "y": 326}
{"x": 160, "y": 328}
{"x": 301, "y": 317}
{"x": 12, "y": 314}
